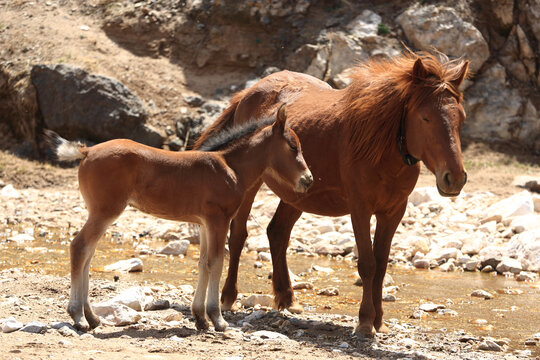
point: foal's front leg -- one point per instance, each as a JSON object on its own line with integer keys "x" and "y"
{"x": 217, "y": 234}
{"x": 199, "y": 300}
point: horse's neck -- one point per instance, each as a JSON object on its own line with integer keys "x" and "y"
{"x": 248, "y": 160}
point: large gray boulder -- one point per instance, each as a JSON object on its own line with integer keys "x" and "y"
{"x": 77, "y": 104}
{"x": 496, "y": 111}
{"x": 440, "y": 27}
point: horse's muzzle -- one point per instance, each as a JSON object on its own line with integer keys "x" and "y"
{"x": 304, "y": 182}
{"x": 450, "y": 184}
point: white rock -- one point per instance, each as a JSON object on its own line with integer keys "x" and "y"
{"x": 489, "y": 227}
{"x": 268, "y": 335}
{"x": 176, "y": 248}
{"x": 421, "y": 263}
{"x": 10, "y": 325}
{"x": 129, "y": 265}
{"x": 474, "y": 243}
{"x": 258, "y": 299}
{"x": 325, "y": 227}
{"x": 425, "y": 194}
{"x": 323, "y": 248}
{"x": 135, "y": 297}
{"x": 515, "y": 205}
{"x": 526, "y": 247}
{"x": 322, "y": 269}
{"x": 258, "y": 243}
{"x": 448, "y": 266}
{"x": 489, "y": 345}
{"x": 444, "y": 253}
{"x": 186, "y": 289}
{"x": 439, "y": 27}
{"x": 430, "y": 307}
{"x": 20, "y": 238}
{"x": 365, "y": 26}
{"x": 536, "y": 202}
{"x": 116, "y": 314}
{"x": 472, "y": 265}
{"x": 525, "y": 223}
{"x": 509, "y": 265}
{"x": 330, "y": 291}
{"x": 9, "y": 192}
{"x": 482, "y": 294}
{"x": 264, "y": 256}
{"x": 256, "y": 315}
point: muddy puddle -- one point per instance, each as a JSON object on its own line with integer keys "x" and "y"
{"x": 513, "y": 313}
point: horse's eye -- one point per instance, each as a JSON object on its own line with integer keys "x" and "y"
{"x": 293, "y": 148}
{"x": 425, "y": 119}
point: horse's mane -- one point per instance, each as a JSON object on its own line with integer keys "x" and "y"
{"x": 227, "y": 136}
{"x": 382, "y": 90}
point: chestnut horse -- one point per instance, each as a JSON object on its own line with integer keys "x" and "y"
{"x": 361, "y": 144}
{"x": 204, "y": 187}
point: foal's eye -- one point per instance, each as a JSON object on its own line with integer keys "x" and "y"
{"x": 293, "y": 148}
{"x": 425, "y": 119}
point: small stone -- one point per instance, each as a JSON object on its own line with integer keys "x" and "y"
{"x": 526, "y": 276}
{"x": 531, "y": 342}
{"x": 176, "y": 248}
{"x": 175, "y": 316}
{"x": 509, "y": 265}
{"x": 431, "y": 307}
{"x": 186, "y": 289}
{"x": 65, "y": 342}
{"x": 330, "y": 291}
{"x": 487, "y": 269}
{"x": 116, "y": 314}
{"x": 264, "y": 256}
{"x": 389, "y": 298}
{"x": 35, "y": 327}
{"x": 9, "y": 192}
{"x": 257, "y": 265}
{"x": 20, "y": 238}
{"x": 158, "y": 305}
{"x": 258, "y": 299}
{"x": 10, "y": 325}
{"x": 447, "y": 267}
{"x": 135, "y": 297}
{"x": 67, "y": 331}
{"x": 419, "y": 314}
{"x": 447, "y": 312}
{"x": 482, "y": 294}
{"x": 488, "y": 345}
{"x": 472, "y": 265}
{"x": 84, "y": 28}
{"x": 268, "y": 335}
{"x": 322, "y": 269}
{"x": 422, "y": 263}
{"x": 302, "y": 285}
{"x": 129, "y": 265}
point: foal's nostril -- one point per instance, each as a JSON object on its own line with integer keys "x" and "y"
{"x": 307, "y": 180}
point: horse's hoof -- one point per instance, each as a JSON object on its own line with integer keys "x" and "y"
{"x": 382, "y": 329}
{"x": 93, "y": 322}
{"x": 365, "y": 331}
{"x": 82, "y": 326}
{"x": 296, "y": 308}
{"x": 230, "y": 307}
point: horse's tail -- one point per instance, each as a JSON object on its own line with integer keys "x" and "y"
{"x": 225, "y": 120}
{"x": 64, "y": 150}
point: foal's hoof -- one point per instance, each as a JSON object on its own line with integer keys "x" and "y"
{"x": 202, "y": 324}
{"x": 296, "y": 308}
{"x": 221, "y": 325}
{"x": 365, "y": 331}
{"x": 82, "y": 326}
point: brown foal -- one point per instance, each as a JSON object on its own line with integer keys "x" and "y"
{"x": 204, "y": 187}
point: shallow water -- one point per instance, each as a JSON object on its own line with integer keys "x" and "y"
{"x": 516, "y": 317}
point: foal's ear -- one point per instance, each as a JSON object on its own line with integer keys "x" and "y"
{"x": 419, "y": 71}
{"x": 279, "y": 125}
{"x": 461, "y": 74}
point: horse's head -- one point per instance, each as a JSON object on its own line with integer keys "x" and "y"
{"x": 433, "y": 122}
{"x": 287, "y": 164}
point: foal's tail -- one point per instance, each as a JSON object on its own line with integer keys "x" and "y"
{"x": 63, "y": 149}
{"x": 225, "y": 120}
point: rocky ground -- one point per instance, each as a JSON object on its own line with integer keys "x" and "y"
{"x": 478, "y": 231}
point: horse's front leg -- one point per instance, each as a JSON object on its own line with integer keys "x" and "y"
{"x": 279, "y": 232}
{"x": 216, "y": 236}
{"x": 386, "y": 227}
{"x": 366, "y": 268}
{"x": 199, "y": 300}
{"x": 237, "y": 239}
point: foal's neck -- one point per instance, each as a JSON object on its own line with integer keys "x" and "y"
{"x": 249, "y": 158}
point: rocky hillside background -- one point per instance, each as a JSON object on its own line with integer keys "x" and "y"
{"x": 159, "y": 71}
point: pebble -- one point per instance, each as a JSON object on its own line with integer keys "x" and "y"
{"x": 389, "y": 298}
{"x": 482, "y": 294}
{"x": 330, "y": 291}
{"x": 9, "y": 192}
{"x": 10, "y": 325}
{"x": 269, "y": 335}
{"x": 509, "y": 265}
{"x": 258, "y": 299}
{"x": 302, "y": 285}
{"x": 322, "y": 269}
{"x": 176, "y": 248}
{"x": 67, "y": 331}
{"x": 264, "y": 256}
{"x": 431, "y": 307}
{"x": 116, "y": 314}
{"x": 129, "y": 265}
{"x": 422, "y": 263}
{"x": 35, "y": 327}
{"x": 526, "y": 276}
{"x": 488, "y": 345}
{"x": 419, "y": 314}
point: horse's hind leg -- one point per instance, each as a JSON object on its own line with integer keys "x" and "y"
{"x": 237, "y": 239}
{"x": 279, "y": 232}
{"x": 199, "y": 300}
{"x": 81, "y": 251}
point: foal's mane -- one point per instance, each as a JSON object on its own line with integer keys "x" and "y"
{"x": 383, "y": 90}
{"x": 227, "y": 136}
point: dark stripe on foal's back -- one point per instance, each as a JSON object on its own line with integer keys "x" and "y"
{"x": 227, "y": 136}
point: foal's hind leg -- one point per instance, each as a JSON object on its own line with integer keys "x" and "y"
{"x": 237, "y": 239}
{"x": 81, "y": 251}
{"x": 199, "y": 300}
{"x": 279, "y": 232}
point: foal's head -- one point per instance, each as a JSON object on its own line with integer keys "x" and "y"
{"x": 286, "y": 163}
{"x": 433, "y": 120}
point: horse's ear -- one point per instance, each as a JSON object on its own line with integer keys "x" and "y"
{"x": 461, "y": 74}
{"x": 419, "y": 71}
{"x": 279, "y": 125}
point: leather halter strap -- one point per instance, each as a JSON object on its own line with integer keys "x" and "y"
{"x": 408, "y": 159}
